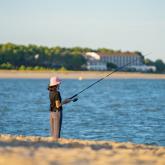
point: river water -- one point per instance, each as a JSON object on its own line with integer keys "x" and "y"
{"x": 123, "y": 110}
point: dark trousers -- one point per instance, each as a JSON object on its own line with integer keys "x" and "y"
{"x": 56, "y": 123}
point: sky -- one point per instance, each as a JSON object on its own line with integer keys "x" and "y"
{"x": 127, "y": 25}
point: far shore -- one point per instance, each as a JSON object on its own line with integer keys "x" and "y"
{"x": 46, "y": 74}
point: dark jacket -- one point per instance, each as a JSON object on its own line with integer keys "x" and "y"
{"x": 54, "y": 96}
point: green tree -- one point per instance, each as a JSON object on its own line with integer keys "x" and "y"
{"x": 148, "y": 62}
{"x": 111, "y": 66}
{"x": 160, "y": 66}
{"x": 6, "y": 66}
{"x": 105, "y": 51}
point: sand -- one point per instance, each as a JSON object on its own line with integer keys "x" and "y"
{"x": 29, "y": 150}
{"x": 76, "y": 74}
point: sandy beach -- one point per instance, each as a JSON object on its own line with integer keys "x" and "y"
{"x": 76, "y": 74}
{"x": 28, "y": 150}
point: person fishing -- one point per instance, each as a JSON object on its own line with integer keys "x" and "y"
{"x": 56, "y": 102}
{"x": 56, "y": 108}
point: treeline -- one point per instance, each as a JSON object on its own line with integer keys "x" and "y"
{"x": 40, "y": 57}
{"x": 159, "y": 64}
{"x": 33, "y": 57}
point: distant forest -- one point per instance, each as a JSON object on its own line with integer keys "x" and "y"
{"x": 33, "y": 57}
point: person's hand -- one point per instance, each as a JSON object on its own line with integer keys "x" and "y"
{"x": 67, "y": 101}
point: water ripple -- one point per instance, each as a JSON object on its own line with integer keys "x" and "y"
{"x": 118, "y": 110}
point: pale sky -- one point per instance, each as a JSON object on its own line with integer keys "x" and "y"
{"x": 133, "y": 25}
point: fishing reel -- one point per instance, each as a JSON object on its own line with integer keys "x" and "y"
{"x": 75, "y": 99}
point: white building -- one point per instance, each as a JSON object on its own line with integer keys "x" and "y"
{"x": 122, "y": 59}
{"x": 96, "y": 65}
{"x": 97, "y": 61}
{"x": 143, "y": 68}
{"x": 93, "y": 56}
{"x": 94, "y": 61}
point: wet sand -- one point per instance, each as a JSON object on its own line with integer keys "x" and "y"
{"x": 28, "y": 150}
{"x": 77, "y": 74}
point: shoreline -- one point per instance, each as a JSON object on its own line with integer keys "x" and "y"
{"x": 15, "y": 74}
{"x": 28, "y": 150}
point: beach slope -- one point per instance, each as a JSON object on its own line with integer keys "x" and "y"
{"x": 27, "y": 150}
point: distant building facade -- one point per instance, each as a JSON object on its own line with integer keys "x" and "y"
{"x": 96, "y": 65}
{"x": 97, "y": 61}
{"x": 143, "y": 68}
{"x": 94, "y": 61}
{"x": 122, "y": 59}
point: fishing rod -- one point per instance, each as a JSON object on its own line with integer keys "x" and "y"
{"x": 117, "y": 69}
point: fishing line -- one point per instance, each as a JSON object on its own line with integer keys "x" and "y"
{"x": 117, "y": 69}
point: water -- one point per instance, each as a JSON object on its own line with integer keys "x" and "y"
{"x": 116, "y": 109}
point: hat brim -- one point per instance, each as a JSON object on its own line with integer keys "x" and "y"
{"x": 52, "y": 85}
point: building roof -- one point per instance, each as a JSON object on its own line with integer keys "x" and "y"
{"x": 119, "y": 54}
{"x": 97, "y": 56}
